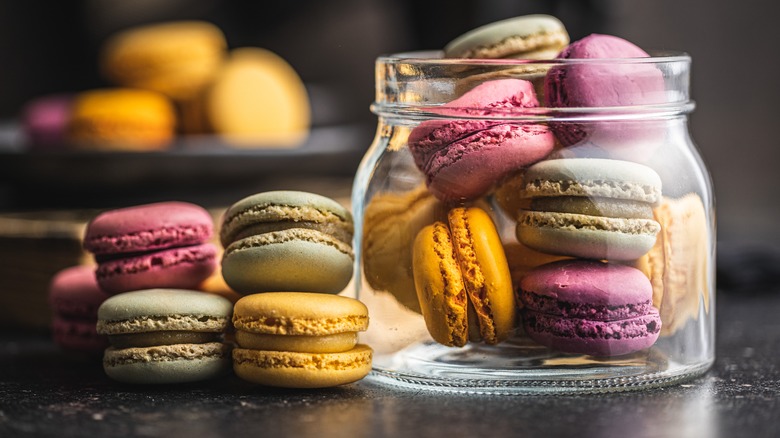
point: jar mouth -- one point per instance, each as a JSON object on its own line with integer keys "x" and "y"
{"x": 436, "y": 57}
{"x": 424, "y": 85}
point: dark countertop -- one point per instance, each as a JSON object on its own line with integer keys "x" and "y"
{"x": 46, "y": 393}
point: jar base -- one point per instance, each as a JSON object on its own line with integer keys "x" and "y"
{"x": 520, "y": 366}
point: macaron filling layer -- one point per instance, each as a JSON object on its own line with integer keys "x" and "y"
{"x": 597, "y": 312}
{"x": 198, "y": 254}
{"x": 284, "y": 325}
{"x": 569, "y": 221}
{"x": 333, "y": 343}
{"x": 604, "y": 188}
{"x": 151, "y": 339}
{"x": 358, "y": 357}
{"x": 289, "y": 235}
{"x": 147, "y": 240}
{"x": 340, "y": 230}
{"x": 161, "y": 323}
{"x": 165, "y": 353}
{"x": 602, "y": 207}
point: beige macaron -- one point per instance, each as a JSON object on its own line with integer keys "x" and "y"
{"x": 300, "y": 340}
{"x": 679, "y": 262}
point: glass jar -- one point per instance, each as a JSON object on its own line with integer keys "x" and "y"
{"x": 437, "y": 152}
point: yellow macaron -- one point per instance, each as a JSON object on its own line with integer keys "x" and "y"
{"x": 176, "y": 58}
{"x": 300, "y": 339}
{"x": 459, "y": 270}
{"x": 122, "y": 119}
{"x": 256, "y": 100}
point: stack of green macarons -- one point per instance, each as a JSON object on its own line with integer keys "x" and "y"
{"x": 290, "y": 253}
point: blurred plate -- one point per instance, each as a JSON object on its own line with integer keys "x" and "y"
{"x": 185, "y": 170}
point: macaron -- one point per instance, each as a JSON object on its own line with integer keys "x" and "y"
{"x": 590, "y": 207}
{"x": 257, "y": 99}
{"x": 122, "y": 119}
{"x": 392, "y": 221}
{"x": 300, "y": 340}
{"x": 165, "y": 244}
{"x": 460, "y": 269}
{"x": 528, "y": 37}
{"x": 463, "y": 159}
{"x": 623, "y": 79}
{"x": 680, "y": 261}
{"x": 74, "y": 297}
{"x": 165, "y": 336}
{"x": 589, "y": 307}
{"x": 287, "y": 241}
{"x": 175, "y": 58}
{"x": 45, "y": 121}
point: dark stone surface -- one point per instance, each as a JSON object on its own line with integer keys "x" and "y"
{"x": 46, "y": 393}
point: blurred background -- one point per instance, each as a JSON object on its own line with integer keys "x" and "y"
{"x": 53, "y": 47}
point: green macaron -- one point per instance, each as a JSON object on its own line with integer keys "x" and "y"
{"x": 165, "y": 336}
{"x": 287, "y": 241}
{"x": 590, "y": 208}
{"x": 528, "y": 37}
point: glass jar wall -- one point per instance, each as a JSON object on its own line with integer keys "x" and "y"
{"x": 535, "y": 226}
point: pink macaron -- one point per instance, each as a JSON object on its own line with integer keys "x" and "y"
{"x": 622, "y": 79}
{"x": 589, "y": 307}
{"x": 463, "y": 159}
{"x": 45, "y": 121}
{"x": 162, "y": 245}
{"x": 74, "y": 297}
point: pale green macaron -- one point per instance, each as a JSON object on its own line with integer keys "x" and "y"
{"x": 165, "y": 336}
{"x": 287, "y": 241}
{"x": 591, "y": 208}
{"x": 527, "y": 37}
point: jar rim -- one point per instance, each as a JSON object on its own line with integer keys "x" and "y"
{"x": 436, "y": 57}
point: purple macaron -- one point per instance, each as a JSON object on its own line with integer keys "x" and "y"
{"x": 74, "y": 297}
{"x": 623, "y": 79}
{"x": 162, "y": 245}
{"x": 462, "y": 159}
{"x": 45, "y": 121}
{"x": 589, "y": 307}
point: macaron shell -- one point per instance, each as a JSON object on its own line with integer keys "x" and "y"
{"x": 290, "y": 260}
{"x": 174, "y": 58}
{"x": 299, "y": 313}
{"x": 392, "y": 221}
{"x": 590, "y": 237}
{"x": 256, "y": 99}
{"x": 513, "y": 37}
{"x": 281, "y": 205}
{"x": 595, "y": 338}
{"x": 121, "y": 119}
{"x": 148, "y": 227}
{"x": 77, "y": 335}
{"x": 468, "y": 168}
{"x": 153, "y": 306}
{"x": 679, "y": 262}
{"x": 302, "y": 370}
{"x": 74, "y": 292}
{"x": 607, "y": 84}
{"x": 439, "y": 284}
{"x": 596, "y": 177}
{"x": 183, "y": 268}
{"x": 592, "y": 284}
{"x": 589, "y": 307}
{"x": 485, "y": 272}
{"x": 179, "y": 363}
